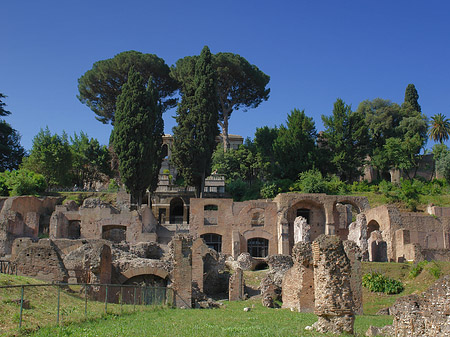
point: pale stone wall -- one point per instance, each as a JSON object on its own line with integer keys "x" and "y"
{"x": 236, "y": 285}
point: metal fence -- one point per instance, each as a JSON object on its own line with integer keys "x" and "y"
{"x": 131, "y": 296}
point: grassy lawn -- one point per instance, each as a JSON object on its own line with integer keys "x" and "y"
{"x": 229, "y": 320}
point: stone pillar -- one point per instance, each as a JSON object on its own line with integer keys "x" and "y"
{"x": 354, "y": 255}
{"x": 357, "y": 232}
{"x": 283, "y": 234}
{"x": 185, "y": 215}
{"x": 182, "y": 272}
{"x": 298, "y": 282}
{"x": 199, "y": 250}
{"x": 302, "y": 231}
{"x": 236, "y": 286}
{"x": 32, "y": 224}
{"x": 236, "y": 244}
{"x": 332, "y": 286}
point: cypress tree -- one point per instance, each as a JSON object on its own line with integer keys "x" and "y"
{"x": 194, "y": 137}
{"x": 138, "y": 132}
{"x": 412, "y": 97}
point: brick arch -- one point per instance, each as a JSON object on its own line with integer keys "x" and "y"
{"x": 361, "y": 205}
{"x": 247, "y": 211}
{"x": 147, "y": 270}
{"x": 258, "y": 233}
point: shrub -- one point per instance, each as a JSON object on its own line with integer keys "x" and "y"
{"x": 377, "y": 282}
{"x": 311, "y": 182}
{"x": 22, "y": 182}
{"x": 237, "y": 189}
{"x": 269, "y": 190}
{"x": 435, "y": 270}
{"x": 417, "y": 269}
{"x": 113, "y": 186}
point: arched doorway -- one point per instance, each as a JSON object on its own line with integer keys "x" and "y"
{"x": 372, "y": 226}
{"x": 74, "y": 230}
{"x": 176, "y": 211}
{"x": 151, "y": 290}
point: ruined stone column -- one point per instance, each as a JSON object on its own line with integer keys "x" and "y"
{"x": 298, "y": 282}
{"x": 182, "y": 272}
{"x": 354, "y": 255}
{"x": 236, "y": 285}
{"x": 333, "y": 293}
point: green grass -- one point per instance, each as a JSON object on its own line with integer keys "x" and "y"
{"x": 230, "y": 320}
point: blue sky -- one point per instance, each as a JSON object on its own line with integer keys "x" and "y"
{"x": 314, "y": 52}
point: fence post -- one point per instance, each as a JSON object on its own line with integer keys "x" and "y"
{"x": 57, "y": 312}
{"x": 121, "y": 298}
{"x": 134, "y": 299}
{"x": 106, "y": 299}
{"x": 85, "y": 300}
{"x": 21, "y": 307}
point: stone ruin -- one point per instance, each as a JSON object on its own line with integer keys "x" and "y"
{"x": 298, "y": 281}
{"x": 377, "y": 247}
{"x": 302, "y": 230}
{"x": 271, "y": 284}
{"x": 357, "y": 232}
{"x": 425, "y": 315}
{"x": 332, "y": 286}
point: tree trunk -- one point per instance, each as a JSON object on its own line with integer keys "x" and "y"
{"x": 225, "y": 139}
{"x": 202, "y": 186}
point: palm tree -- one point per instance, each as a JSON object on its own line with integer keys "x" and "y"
{"x": 440, "y": 128}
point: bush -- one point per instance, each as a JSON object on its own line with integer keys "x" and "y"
{"x": 377, "y": 282}
{"x": 269, "y": 190}
{"x": 435, "y": 270}
{"x": 22, "y": 182}
{"x": 311, "y": 182}
{"x": 417, "y": 269}
{"x": 113, "y": 186}
{"x": 237, "y": 189}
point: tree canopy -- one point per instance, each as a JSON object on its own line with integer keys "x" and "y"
{"x": 100, "y": 86}
{"x": 240, "y": 85}
{"x": 3, "y": 112}
{"x": 51, "y": 156}
{"x": 194, "y": 137}
{"x": 439, "y": 128}
{"x": 295, "y": 146}
{"x": 346, "y": 137}
{"x": 138, "y": 132}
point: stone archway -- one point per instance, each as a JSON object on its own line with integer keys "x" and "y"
{"x": 176, "y": 211}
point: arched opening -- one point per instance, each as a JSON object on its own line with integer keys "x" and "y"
{"x": 345, "y": 213}
{"x": 304, "y": 212}
{"x": 165, "y": 151}
{"x": 372, "y": 226}
{"x": 258, "y": 247}
{"x": 213, "y": 241}
{"x": 151, "y": 290}
{"x": 176, "y": 211}
{"x": 74, "y": 230}
{"x": 114, "y": 233}
{"x": 257, "y": 219}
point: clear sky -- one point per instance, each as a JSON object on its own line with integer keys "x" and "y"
{"x": 314, "y": 52}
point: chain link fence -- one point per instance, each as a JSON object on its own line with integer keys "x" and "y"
{"x": 63, "y": 300}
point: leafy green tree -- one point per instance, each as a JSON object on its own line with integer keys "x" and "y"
{"x": 241, "y": 163}
{"x": 50, "y": 156}
{"x": 11, "y": 152}
{"x": 91, "y": 161}
{"x": 443, "y": 165}
{"x": 439, "y": 128}
{"x": 100, "y": 86}
{"x": 346, "y": 137}
{"x": 295, "y": 146}
{"x": 138, "y": 132}
{"x": 240, "y": 85}
{"x": 21, "y": 182}
{"x": 412, "y": 97}
{"x": 197, "y": 117}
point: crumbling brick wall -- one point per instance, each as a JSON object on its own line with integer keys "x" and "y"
{"x": 298, "y": 282}
{"x": 332, "y": 286}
